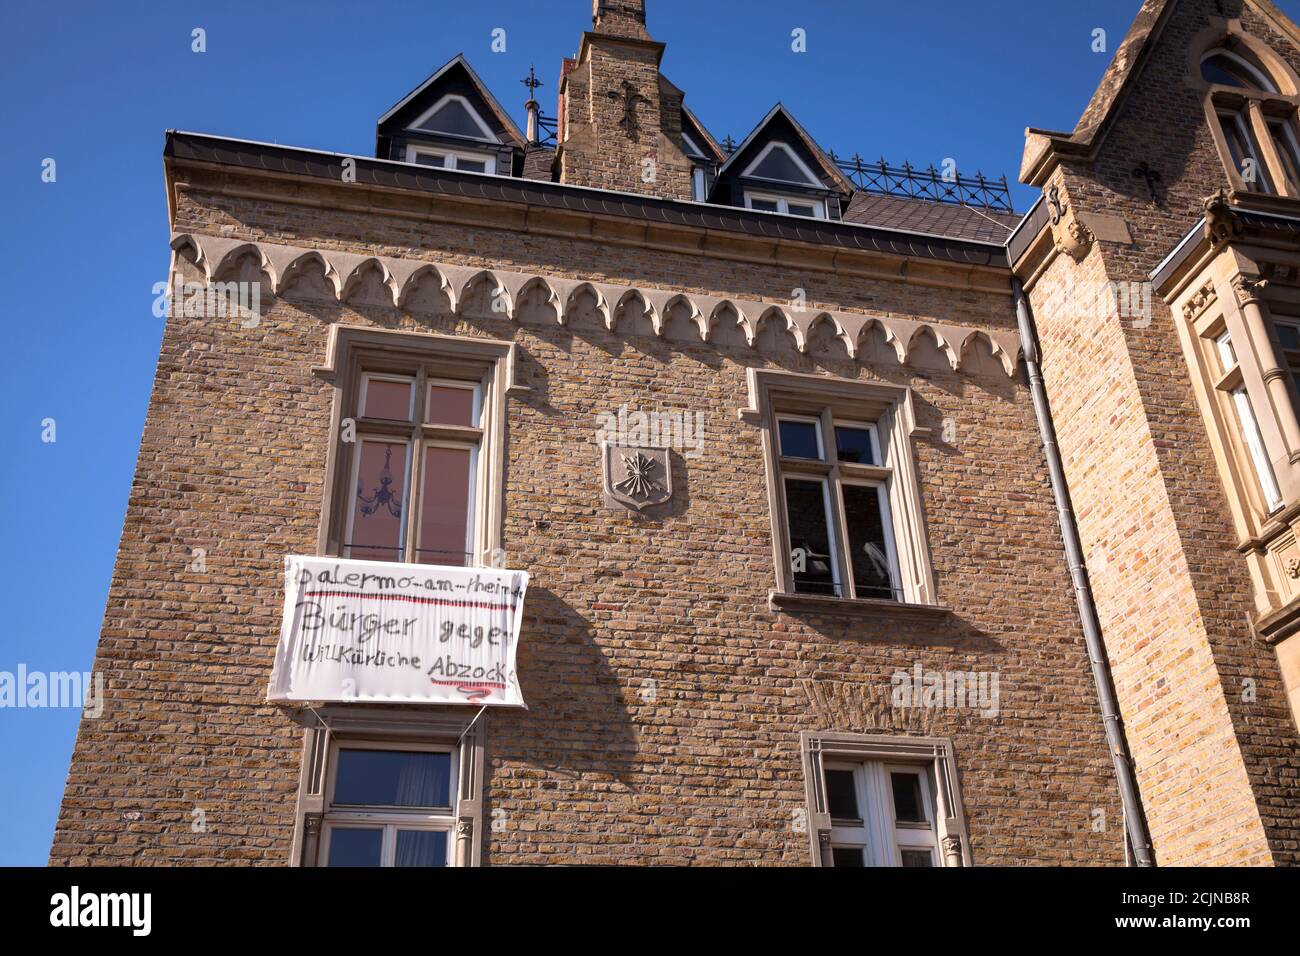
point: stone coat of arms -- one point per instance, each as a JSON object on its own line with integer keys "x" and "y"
{"x": 638, "y": 477}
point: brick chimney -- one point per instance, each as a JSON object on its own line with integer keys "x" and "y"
{"x": 623, "y": 18}
{"x": 622, "y": 121}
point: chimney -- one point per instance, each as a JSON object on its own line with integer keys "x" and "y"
{"x": 621, "y": 121}
{"x": 620, "y": 18}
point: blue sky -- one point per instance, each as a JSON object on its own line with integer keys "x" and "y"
{"x": 94, "y": 86}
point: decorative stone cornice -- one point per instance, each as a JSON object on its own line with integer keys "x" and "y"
{"x": 346, "y": 273}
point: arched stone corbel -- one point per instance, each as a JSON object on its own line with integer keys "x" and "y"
{"x": 357, "y": 275}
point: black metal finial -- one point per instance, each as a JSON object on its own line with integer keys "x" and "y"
{"x": 532, "y": 82}
{"x": 729, "y": 144}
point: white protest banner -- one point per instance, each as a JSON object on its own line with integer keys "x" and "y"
{"x": 372, "y": 631}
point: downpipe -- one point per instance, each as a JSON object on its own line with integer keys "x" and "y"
{"x": 1139, "y": 838}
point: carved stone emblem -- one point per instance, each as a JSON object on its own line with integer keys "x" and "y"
{"x": 627, "y": 97}
{"x": 638, "y": 477}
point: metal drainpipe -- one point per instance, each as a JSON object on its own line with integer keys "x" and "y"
{"x": 1134, "y": 818}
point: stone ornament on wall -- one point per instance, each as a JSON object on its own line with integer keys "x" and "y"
{"x": 346, "y": 273}
{"x": 1201, "y": 299}
{"x": 1069, "y": 235}
{"x": 637, "y": 477}
{"x": 1248, "y": 289}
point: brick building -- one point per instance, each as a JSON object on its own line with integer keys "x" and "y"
{"x": 866, "y": 522}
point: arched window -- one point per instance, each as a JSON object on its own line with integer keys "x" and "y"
{"x": 1255, "y": 122}
{"x": 1226, "y": 68}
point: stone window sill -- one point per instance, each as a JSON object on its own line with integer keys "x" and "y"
{"x": 787, "y": 601}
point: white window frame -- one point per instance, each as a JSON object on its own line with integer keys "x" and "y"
{"x": 368, "y": 377}
{"x": 406, "y": 472}
{"x": 452, "y": 157}
{"x": 1248, "y": 426}
{"x": 699, "y": 184}
{"x": 806, "y": 420}
{"x": 390, "y": 819}
{"x": 879, "y": 835}
{"x": 487, "y": 137}
{"x": 828, "y": 516}
{"x": 783, "y": 204}
{"x": 1263, "y": 183}
{"x": 838, "y": 474}
{"x": 811, "y": 177}
{"x": 774, "y": 394}
{"x": 416, "y": 437}
{"x": 945, "y": 834}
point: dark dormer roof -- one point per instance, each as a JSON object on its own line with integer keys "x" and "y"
{"x": 468, "y": 112}
{"x": 779, "y": 125}
{"x": 701, "y": 137}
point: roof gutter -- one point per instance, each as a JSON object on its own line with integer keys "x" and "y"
{"x": 1139, "y": 838}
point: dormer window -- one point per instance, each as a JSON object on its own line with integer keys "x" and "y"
{"x": 780, "y": 164}
{"x": 788, "y": 205}
{"x": 466, "y": 162}
{"x": 454, "y": 116}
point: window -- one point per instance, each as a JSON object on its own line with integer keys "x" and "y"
{"x": 1244, "y": 151}
{"x": 779, "y": 163}
{"x": 881, "y": 815}
{"x": 449, "y": 159}
{"x": 415, "y": 472}
{"x": 837, "y": 508}
{"x": 1288, "y": 342}
{"x": 390, "y": 788}
{"x": 1288, "y": 153}
{"x": 1225, "y": 68}
{"x": 788, "y": 205}
{"x": 699, "y": 184}
{"x": 883, "y": 801}
{"x": 1249, "y": 427}
{"x": 845, "y": 502}
{"x": 389, "y": 804}
{"x": 454, "y": 116}
{"x": 1253, "y": 122}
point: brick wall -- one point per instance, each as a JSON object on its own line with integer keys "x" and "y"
{"x": 232, "y": 460}
{"x": 1219, "y": 773}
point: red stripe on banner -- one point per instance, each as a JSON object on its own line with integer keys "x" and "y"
{"x": 441, "y": 602}
{"x": 474, "y": 692}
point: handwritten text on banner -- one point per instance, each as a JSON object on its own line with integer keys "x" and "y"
{"x": 371, "y": 631}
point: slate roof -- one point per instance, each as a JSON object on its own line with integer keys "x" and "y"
{"x": 199, "y": 147}
{"x": 538, "y": 161}
{"x": 930, "y": 217}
